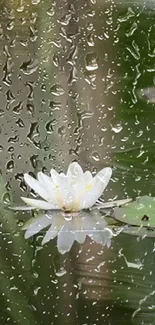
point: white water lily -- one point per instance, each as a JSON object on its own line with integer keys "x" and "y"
{"x": 70, "y": 193}
{"x": 69, "y": 228}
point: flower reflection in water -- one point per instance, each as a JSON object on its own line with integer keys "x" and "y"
{"x": 70, "y": 227}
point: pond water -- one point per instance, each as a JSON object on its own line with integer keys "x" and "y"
{"x": 77, "y": 84}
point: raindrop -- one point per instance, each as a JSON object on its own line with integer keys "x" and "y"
{"x": 61, "y": 272}
{"x": 51, "y": 12}
{"x": 57, "y": 90}
{"x": 96, "y": 156}
{"x": 90, "y": 39}
{"x": 20, "y": 7}
{"x": 6, "y": 51}
{"x": 10, "y": 166}
{"x": 8, "y": 72}
{"x": 29, "y": 67}
{"x": 30, "y": 109}
{"x": 20, "y": 123}
{"x": 118, "y": 128}
{"x": 54, "y": 105}
{"x": 6, "y": 198}
{"x": 91, "y": 62}
{"x": 49, "y": 126}
{"x": 56, "y": 60}
{"x": 9, "y": 96}
{"x": 33, "y": 34}
{"x": 11, "y": 149}
{"x": 1, "y": 31}
{"x": 10, "y": 25}
{"x": 36, "y": 289}
{"x": 35, "y": 2}
{"x": 18, "y": 108}
{"x": 35, "y": 162}
{"x": 62, "y": 131}
{"x": 33, "y": 131}
{"x": 13, "y": 139}
{"x": 65, "y": 19}
{"x": 1, "y": 112}
{"x": 72, "y": 55}
{"x": 130, "y": 13}
{"x": 72, "y": 75}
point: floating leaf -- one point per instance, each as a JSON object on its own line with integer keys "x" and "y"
{"x": 139, "y": 231}
{"x": 140, "y": 212}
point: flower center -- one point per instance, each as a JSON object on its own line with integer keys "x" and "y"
{"x": 69, "y": 213}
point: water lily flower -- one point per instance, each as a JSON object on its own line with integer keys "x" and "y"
{"x": 69, "y": 194}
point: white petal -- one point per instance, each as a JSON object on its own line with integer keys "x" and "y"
{"x": 80, "y": 236}
{"x": 50, "y": 234}
{"x": 101, "y": 237}
{"x": 76, "y": 176}
{"x": 112, "y": 204}
{"x": 98, "y": 185}
{"x": 47, "y": 182}
{"x": 65, "y": 240}
{"x": 54, "y": 175}
{"x": 22, "y": 208}
{"x": 37, "y": 187}
{"x": 74, "y": 171}
{"x": 64, "y": 192}
{"x": 78, "y": 229}
{"x": 37, "y": 225}
{"x": 39, "y": 204}
{"x": 88, "y": 178}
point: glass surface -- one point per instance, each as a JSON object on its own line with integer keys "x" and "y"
{"x": 77, "y": 83}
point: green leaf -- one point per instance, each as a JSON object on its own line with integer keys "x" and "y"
{"x": 140, "y": 212}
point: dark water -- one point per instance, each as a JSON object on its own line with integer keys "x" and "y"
{"x": 77, "y": 83}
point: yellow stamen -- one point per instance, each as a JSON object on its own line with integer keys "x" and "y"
{"x": 88, "y": 187}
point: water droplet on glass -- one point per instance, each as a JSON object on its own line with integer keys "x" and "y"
{"x": 10, "y": 166}
{"x": 49, "y": 126}
{"x": 8, "y": 72}
{"x": 56, "y": 60}
{"x": 51, "y": 12}
{"x": 61, "y": 272}
{"x": 90, "y": 39}
{"x": 62, "y": 130}
{"x": 6, "y": 198}
{"x": 20, "y": 123}
{"x": 57, "y": 90}
{"x": 18, "y": 108}
{"x": 91, "y": 62}
{"x": 30, "y": 109}
{"x": 117, "y": 128}
{"x": 9, "y": 96}
{"x": 1, "y": 112}
{"x": 13, "y": 139}
{"x": 33, "y": 34}
{"x": 29, "y": 67}
{"x": 35, "y": 2}
{"x": 65, "y": 19}
{"x": 96, "y": 156}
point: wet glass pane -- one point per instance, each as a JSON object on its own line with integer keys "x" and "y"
{"x": 77, "y": 84}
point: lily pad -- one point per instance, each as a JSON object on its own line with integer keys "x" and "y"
{"x": 140, "y": 212}
{"x": 139, "y": 231}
